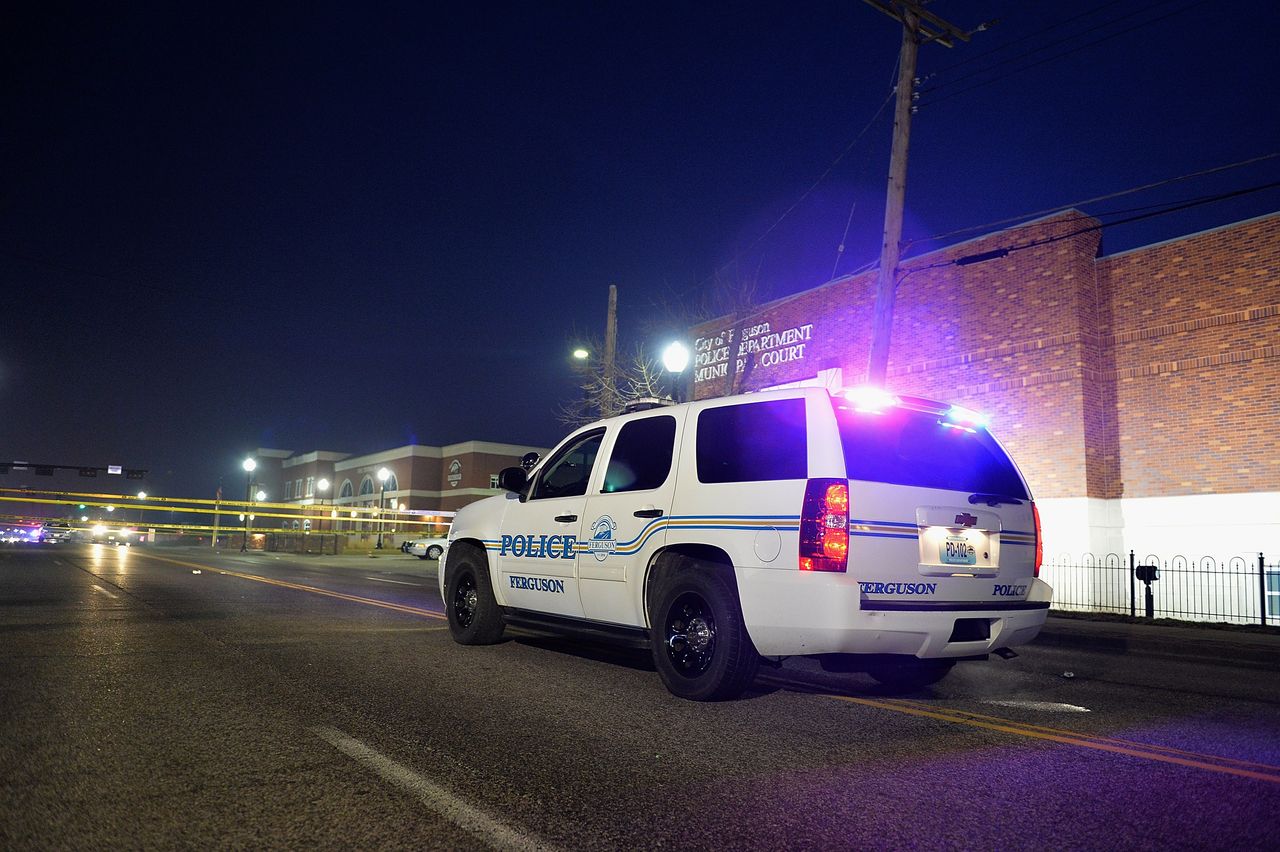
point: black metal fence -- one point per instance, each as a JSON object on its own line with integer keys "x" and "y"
{"x": 1238, "y": 589}
{"x": 318, "y": 543}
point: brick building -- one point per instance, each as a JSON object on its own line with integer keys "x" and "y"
{"x": 430, "y": 483}
{"x": 1138, "y": 392}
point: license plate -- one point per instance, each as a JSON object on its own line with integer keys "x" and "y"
{"x": 956, "y": 550}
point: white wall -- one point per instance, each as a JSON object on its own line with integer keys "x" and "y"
{"x": 1206, "y": 546}
{"x": 1217, "y": 525}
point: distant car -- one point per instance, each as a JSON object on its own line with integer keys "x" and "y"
{"x": 119, "y": 536}
{"x": 53, "y": 535}
{"x": 427, "y": 548}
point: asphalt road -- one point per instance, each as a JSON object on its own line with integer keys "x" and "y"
{"x": 180, "y": 699}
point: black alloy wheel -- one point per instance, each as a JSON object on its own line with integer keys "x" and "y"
{"x": 473, "y": 612}
{"x": 699, "y": 642}
{"x": 465, "y": 600}
{"x": 690, "y": 635}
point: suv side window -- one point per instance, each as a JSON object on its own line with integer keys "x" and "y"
{"x": 753, "y": 442}
{"x": 641, "y": 458}
{"x": 567, "y": 473}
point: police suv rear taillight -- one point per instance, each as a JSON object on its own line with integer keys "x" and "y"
{"x": 1035, "y": 514}
{"x": 824, "y": 526}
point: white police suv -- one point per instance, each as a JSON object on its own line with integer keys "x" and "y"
{"x": 891, "y": 535}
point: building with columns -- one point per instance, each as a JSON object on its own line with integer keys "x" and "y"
{"x": 423, "y": 487}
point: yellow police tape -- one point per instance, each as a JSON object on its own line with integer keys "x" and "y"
{"x": 367, "y": 518}
{"x": 368, "y": 514}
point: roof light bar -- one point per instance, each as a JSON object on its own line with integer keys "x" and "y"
{"x": 966, "y": 417}
{"x": 870, "y": 399}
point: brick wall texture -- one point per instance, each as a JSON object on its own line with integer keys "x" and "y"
{"x": 1155, "y": 372}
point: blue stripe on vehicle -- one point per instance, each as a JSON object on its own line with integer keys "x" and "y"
{"x": 882, "y": 523}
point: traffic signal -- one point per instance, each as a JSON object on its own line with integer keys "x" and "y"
{"x": 131, "y": 473}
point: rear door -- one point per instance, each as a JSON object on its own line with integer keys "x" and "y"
{"x": 938, "y": 513}
{"x": 627, "y": 514}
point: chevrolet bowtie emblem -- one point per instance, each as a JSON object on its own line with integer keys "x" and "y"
{"x": 964, "y": 519}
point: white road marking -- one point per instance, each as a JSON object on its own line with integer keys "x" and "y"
{"x": 105, "y": 592}
{"x": 430, "y": 794}
{"x": 1047, "y": 706}
{"x": 385, "y": 580}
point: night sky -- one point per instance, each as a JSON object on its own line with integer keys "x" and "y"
{"x": 357, "y": 226}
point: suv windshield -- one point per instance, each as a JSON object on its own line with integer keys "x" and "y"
{"x": 906, "y": 447}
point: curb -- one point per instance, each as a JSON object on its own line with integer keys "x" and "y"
{"x": 1191, "y": 644}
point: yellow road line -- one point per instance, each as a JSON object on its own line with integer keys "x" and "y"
{"x": 1128, "y": 743}
{"x": 411, "y": 610}
{"x": 1082, "y": 740}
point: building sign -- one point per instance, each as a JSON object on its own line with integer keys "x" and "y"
{"x": 455, "y": 473}
{"x": 770, "y": 348}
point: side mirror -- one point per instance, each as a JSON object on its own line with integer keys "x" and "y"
{"x": 513, "y": 479}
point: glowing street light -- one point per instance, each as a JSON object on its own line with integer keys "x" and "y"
{"x": 321, "y": 487}
{"x": 249, "y": 465}
{"x": 675, "y": 357}
{"x": 581, "y": 354}
{"x": 676, "y": 360}
{"x": 383, "y": 476}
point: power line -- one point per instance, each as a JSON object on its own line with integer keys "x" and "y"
{"x": 1175, "y": 208}
{"x": 737, "y": 255}
{"x": 1103, "y": 8}
{"x": 1022, "y": 217}
{"x": 1056, "y": 56}
{"x": 1041, "y": 48}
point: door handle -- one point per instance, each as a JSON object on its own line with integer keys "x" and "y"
{"x": 647, "y": 513}
{"x": 566, "y": 519}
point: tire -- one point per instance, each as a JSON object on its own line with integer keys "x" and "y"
{"x": 700, "y": 645}
{"x": 433, "y": 552}
{"x": 469, "y": 604}
{"x": 911, "y": 673}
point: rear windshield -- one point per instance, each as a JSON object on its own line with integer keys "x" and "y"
{"x": 904, "y": 447}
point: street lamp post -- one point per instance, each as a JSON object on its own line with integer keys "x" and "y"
{"x": 321, "y": 487}
{"x": 249, "y": 466}
{"x": 142, "y": 495}
{"x": 383, "y": 476}
{"x": 676, "y": 359}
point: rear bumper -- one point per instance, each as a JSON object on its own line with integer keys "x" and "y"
{"x": 789, "y": 613}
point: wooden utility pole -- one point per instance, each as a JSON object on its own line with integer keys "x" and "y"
{"x": 918, "y": 26}
{"x": 610, "y": 397}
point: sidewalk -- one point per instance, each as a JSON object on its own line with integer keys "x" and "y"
{"x": 1190, "y": 641}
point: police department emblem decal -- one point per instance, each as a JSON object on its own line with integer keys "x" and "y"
{"x": 601, "y": 543}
